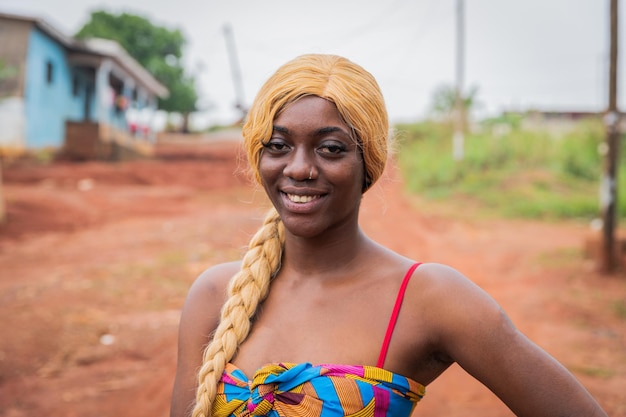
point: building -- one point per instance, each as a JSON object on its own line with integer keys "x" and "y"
{"x": 74, "y": 95}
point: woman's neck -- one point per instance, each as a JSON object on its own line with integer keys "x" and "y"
{"x": 323, "y": 254}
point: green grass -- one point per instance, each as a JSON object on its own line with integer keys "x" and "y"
{"x": 619, "y": 308}
{"x": 597, "y": 372}
{"x": 524, "y": 174}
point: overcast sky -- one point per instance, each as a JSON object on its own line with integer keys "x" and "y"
{"x": 521, "y": 54}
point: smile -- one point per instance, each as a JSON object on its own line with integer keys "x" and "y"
{"x": 302, "y": 198}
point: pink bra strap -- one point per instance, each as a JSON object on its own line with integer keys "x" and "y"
{"x": 394, "y": 315}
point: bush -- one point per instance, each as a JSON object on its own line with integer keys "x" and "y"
{"x": 579, "y": 156}
{"x": 519, "y": 173}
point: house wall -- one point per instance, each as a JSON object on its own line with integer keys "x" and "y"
{"x": 48, "y": 93}
{"x": 96, "y": 141}
{"x": 14, "y": 35}
{"x": 13, "y": 123}
{"x": 82, "y": 142}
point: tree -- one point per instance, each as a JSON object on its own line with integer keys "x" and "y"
{"x": 455, "y": 107}
{"x": 444, "y": 100}
{"x": 156, "y": 48}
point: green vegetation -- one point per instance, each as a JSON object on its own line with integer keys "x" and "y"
{"x": 619, "y": 308}
{"x": 598, "y": 372}
{"x": 444, "y": 100}
{"x": 156, "y": 48}
{"x": 509, "y": 171}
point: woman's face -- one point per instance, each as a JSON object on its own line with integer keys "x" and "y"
{"x": 312, "y": 168}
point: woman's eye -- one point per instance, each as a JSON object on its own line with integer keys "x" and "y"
{"x": 276, "y": 146}
{"x": 334, "y": 149}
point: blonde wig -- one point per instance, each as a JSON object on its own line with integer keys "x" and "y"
{"x": 353, "y": 90}
{"x": 360, "y": 103}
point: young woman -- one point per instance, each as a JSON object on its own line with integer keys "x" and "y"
{"x": 318, "y": 319}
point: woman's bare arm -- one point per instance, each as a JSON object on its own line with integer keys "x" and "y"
{"x": 477, "y": 334}
{"x": 199, "y": 318}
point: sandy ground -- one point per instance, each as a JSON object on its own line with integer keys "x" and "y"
{"x": 96, "y": 259}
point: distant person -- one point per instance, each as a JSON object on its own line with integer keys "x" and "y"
{"x": 320, "y": 320}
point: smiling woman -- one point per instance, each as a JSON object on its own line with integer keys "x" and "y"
{"x": 349, "y": 326}
{"x": 312, "y": 169}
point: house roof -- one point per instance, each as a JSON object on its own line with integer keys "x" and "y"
{"x": 97, "y": 48}
{"x": 107, "y": 47}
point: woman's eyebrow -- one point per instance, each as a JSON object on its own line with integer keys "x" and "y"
{"x": 318, "y": 132}
{"x": 331, "y": 129}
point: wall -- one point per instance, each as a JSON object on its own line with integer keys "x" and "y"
{"x": 48, "y": 103}
{"x": 13, "y": 123}
{"x": 82, "y": 142}
{"x": 95, "y": 141}
{"x": 14, "y": 35}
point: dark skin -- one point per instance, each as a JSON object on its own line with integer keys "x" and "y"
{"x": 333, "y": 296}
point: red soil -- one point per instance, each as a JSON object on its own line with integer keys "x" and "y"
{"x": 96, "y": 259}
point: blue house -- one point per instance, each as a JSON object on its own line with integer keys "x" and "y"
{"x": 75, "y": 95}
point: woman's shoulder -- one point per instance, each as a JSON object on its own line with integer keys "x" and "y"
{"x": 210, "y": 289}
{"x": 441, "y": 277}
{"x": 447, "y": 293}
{"x": 453, "y": 311}
{"x": 213, "y": 281}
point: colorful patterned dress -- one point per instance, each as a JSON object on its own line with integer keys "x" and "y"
{"x": 290, "y": 390}
{"x": 306, "y": 390}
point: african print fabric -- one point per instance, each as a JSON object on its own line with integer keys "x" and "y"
{"x": 305, "y": 390}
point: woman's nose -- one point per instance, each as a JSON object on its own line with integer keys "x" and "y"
{"x": 300, "y": 166}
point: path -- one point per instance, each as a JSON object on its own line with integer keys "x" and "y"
{"x": 97, "y": 258}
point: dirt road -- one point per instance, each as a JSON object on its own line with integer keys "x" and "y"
{"x": 96, "y": 259}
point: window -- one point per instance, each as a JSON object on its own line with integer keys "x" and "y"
{"x": 49, "y": 72}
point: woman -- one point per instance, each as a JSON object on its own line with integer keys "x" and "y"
{"x": 349, "y": 326}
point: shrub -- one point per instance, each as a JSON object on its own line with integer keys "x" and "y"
{"x": 516, "y": 173}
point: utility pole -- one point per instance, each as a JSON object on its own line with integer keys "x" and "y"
{"x": 235, "y": 70}
{"x": 608, "y": 187}
{"x": 459, "y": 108}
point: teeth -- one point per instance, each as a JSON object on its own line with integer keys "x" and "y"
{"x": 301, "y": 198}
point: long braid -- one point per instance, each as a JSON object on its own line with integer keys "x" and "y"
{"x": 247, "y": 289}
